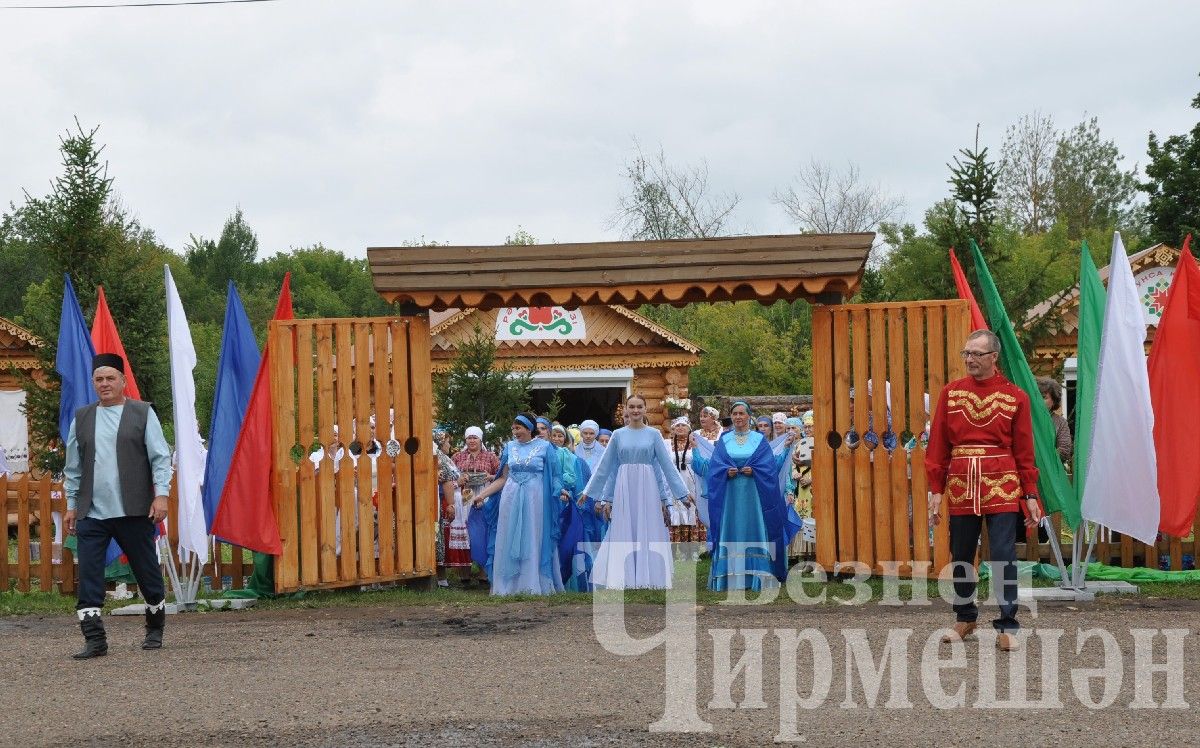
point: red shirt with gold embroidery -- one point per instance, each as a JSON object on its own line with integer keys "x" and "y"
{"x": 980, "y": 454}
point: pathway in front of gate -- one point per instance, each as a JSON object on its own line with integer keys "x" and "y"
{"x": 534, "y": 674}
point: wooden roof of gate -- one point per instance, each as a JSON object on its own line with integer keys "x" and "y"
{"x": 626, "y": 273}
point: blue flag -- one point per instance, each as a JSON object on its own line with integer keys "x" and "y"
{"x": 237, "y": 368}
{"x": 73, "y": 362}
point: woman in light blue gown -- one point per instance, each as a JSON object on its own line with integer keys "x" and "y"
{"x": 632, "y": 476}
{"x": 524, "y": 520}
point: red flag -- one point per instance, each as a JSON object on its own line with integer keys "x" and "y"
{"x": 1175, "y": 396}
{"x": 964, "y": 292}
{"x": 106, "y": 340}
{"x": 246, "y": 514}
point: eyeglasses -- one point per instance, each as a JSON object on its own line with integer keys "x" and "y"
{"x": 974, "y": 354}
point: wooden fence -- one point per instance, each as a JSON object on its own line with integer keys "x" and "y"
{"x": 30, "y": 504}
{"x": 366, "y": 520}
{"x": 870, "y": 502}
{"x": 863, "y": 477}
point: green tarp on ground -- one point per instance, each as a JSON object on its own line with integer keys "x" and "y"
{"x": 1098, "y": 572}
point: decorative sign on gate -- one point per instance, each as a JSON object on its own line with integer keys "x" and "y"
{"x": 1153, "y": 285}
{"x": 540, "y": 323}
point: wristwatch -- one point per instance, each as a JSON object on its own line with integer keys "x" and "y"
{"x": 1030, "y": 497}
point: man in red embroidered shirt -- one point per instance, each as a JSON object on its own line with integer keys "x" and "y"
{"x": 980, "y": 458}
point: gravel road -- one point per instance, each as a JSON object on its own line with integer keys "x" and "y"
{"x": 532, "y": 674}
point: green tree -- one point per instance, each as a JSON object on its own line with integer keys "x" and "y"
{"x": 475, "y": 392}
{"x": 974, "y": 181}
{"x": 744, "y": 354}
{"x": 1090, "y": 190}
{"x": 80, "y": 229}
{"x": 229, "y": 258}
{"x": 325, "y": 283}
{"x": 1173, "y": 185}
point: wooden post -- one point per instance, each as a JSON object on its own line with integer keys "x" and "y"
{"x": 326, "y": 488}
{"x": 917, "y": 389}
{"x": 309, "y": 544}
{"x": 344, "y": 381}
{"x": 863, "y": 500}
{"x": 936, "y": 345}
{"x": 364, "y": 511}
{"x": 898, "y": 458}
{"x": 401, "y": 377}
{"x": 824, "y": 502}
{"x": 381, "y": 334}
{"x": 424, "y": 461}
{"x": 846, "y": 510}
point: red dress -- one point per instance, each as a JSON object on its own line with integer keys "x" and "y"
{"x": 980, "y": 453}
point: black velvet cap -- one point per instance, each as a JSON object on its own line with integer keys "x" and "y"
{"x": 108, "y": 359}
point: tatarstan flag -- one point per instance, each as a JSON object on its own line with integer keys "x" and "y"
{"x": 245, "y": 515}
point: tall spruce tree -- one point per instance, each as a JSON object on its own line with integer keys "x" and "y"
{"x": 80, "y": 229}
{"x": 974, "y": 181}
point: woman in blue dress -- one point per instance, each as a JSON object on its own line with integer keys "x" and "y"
{"x": 631, "y": 476}
{"x": 750, "y": 525}
{"x": 524, "y": 521}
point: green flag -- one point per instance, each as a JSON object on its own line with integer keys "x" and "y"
{"x": 1053, "y": 483}
{"x": 1092, "y": 298}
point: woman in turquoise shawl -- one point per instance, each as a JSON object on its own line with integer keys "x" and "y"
{"x": 750, "y": 525}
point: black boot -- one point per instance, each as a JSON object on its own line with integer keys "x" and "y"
{"x": 95, "y": 642}
{"x": 156, "y": 619}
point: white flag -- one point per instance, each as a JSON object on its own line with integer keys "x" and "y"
{"x": 190, "y": 453}
{"x": 1121, "y": 491}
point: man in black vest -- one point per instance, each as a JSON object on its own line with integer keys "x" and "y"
{"x": 117, "y": 477}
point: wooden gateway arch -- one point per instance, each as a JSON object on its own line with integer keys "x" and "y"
{"x": 332, "y": 375}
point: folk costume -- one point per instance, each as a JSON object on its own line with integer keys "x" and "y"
{"x": 751, "y": 523}
{"x": 684, "y": 519}
{"x": 631, "y": 476}
{"x": 117, "y": 462}
{"x": 980, "y": 458}
{"x": 524, "y": 521}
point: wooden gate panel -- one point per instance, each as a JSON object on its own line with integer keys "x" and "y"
{"x": 847, "y": 532}
{"x": 863, "y": 500}
{"x": 871, "y": 506}
{"x": 360, "y": 521}
{"x": 425, "y": 508}
{"x": 877, "y": 424}
{"x": 824, "y": 485}
{"x": 403, "y": 486}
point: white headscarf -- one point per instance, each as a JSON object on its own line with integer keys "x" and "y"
{"x": 474, "y": 431}
{"x": 590, "y": 424}
{"x": 779, "y": 417}
{"x": 681, "y": 421}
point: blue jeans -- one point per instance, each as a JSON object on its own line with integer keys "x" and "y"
{"x": 1002, "y": 550}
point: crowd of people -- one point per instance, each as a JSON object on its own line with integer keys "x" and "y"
{"x": 577, "y": 507}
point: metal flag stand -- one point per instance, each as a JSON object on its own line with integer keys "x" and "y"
{"x": 185, "y": 581}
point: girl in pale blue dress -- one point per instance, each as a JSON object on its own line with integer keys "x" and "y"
{"x": 524, "y": 519}
{"x": 636, "y": 552}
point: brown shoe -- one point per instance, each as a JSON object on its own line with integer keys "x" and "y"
{"x": 1007, "y": 643}
{"x": 959, "y": 633}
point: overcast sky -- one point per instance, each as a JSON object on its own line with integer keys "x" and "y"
{"x": 359, "y": 123}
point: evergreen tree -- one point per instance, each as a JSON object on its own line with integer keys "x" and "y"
{"x": 475, "y": 392}
{"x": 80, "y": 229}
{"x": 1173, "y": 185}
{"x": 974, "y": 179}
